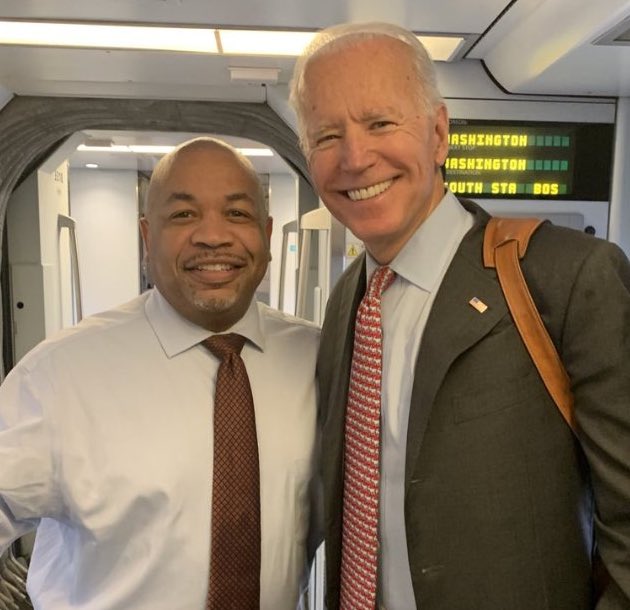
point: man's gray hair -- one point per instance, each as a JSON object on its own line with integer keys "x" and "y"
{"x": 347, "y": 34}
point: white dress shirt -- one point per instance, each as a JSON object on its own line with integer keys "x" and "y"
{"x": 106, "y": 443}
{"x": 420, "y": 267}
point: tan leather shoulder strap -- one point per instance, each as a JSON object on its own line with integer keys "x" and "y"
{"x": 500, "y": 230}
{"x": 505, "y": 242}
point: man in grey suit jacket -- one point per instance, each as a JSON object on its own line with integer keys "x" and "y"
{"x": 487, "y": 499}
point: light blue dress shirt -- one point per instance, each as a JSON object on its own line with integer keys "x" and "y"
{"x": 420, "y": 267}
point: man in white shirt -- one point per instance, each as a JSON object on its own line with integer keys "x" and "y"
{"x": 106, "y": 431}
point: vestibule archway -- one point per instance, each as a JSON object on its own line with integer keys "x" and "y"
{"x": 33, "y": 127}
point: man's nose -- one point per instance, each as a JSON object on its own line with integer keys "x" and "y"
{"x": 212, "y": 230}
{"x": 357, "y": 153}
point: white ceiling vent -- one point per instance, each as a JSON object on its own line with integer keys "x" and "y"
{"x": 254, "y": 76}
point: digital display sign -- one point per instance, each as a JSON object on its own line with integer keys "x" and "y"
{"x": 529, "y": 160}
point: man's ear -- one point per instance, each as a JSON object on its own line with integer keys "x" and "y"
{"x": 441, "y": 134}
{"x": 144, "y": 230}
{"x": 269, "y": 229}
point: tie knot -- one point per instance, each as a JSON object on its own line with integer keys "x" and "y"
{"x": 223, "y": 346}
{"x": 380, "y": 281}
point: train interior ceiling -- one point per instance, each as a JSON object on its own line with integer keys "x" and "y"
{"x": 75, "y": 115}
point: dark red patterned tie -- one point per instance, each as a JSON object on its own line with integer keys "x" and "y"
{"x": 235, "y": 546}
{"x": 359, "y": 547}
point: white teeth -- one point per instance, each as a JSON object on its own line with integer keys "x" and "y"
{"x": 370, "y": 191}
{"x": 216, "y": 267}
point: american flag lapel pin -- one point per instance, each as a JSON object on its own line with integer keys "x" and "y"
{"x": 478, "y": 304}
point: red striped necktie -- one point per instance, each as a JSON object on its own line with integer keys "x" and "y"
{"x": 359, "y": 557}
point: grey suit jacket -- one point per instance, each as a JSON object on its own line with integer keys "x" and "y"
{"x": 500, "y": 499}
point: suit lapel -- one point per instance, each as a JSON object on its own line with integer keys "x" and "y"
{"x": 343, "y": 338}
{"x": 335, "y": 358}
{"x": 337, "y": 347}
{"x": 453, "y": 326}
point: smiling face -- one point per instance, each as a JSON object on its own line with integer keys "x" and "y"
{"x": 206, "y": 234}
{"x": 374, "y": 152}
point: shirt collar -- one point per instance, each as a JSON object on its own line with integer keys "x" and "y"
{"x": 427, "y": 251}
{"x": 176, "y": 334}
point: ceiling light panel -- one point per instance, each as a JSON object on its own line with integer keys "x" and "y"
{"x": 150, "y": 149}
{"x": 111, "y": 148}
{"x": 285, "y": 43}
{"x": 108, "y": 36}
{"x": 256, "y": 152}
{"x": 163, "y": 149}
{"x": 260, "y": 42}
